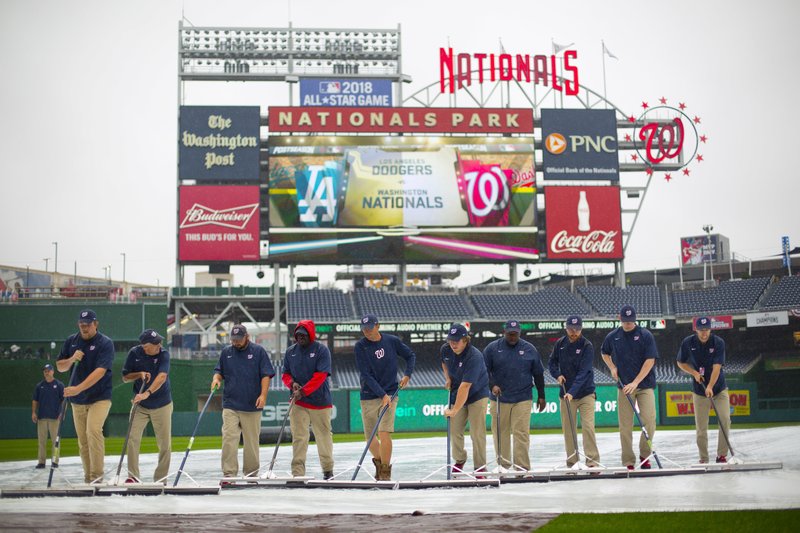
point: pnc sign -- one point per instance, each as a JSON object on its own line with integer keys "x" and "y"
{"x": 579, "y": 144}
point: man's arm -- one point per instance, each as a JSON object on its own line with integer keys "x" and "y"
{"x": 646, "y": 368}
{"x": 96, "y": 375}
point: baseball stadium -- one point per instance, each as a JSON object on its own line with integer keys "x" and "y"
{"x": 362, "y": 199}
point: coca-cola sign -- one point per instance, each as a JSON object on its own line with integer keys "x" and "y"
{"x": 218, "y": 223}
{"x": 583, "y": 223}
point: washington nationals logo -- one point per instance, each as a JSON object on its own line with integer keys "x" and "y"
{"x": 666, "y": 137}
{"x": 380, "y": 353}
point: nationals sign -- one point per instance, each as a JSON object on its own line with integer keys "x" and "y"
{"x": 583, "y": 223}
{"x": 400, "y": 119}
{"x": 218, "y": 223}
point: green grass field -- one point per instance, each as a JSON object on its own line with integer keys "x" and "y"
{"x": 696, "y": 522}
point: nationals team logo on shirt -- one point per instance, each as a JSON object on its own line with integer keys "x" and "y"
{"x": 636, "y": 337}
{"x": 711, "y": 350}
{"x": 312, "y": 354}
{"x": 380, "y": 353}
{"x": 522, "y": 352}
{"x": 91, "y": 347}
{"x": 249, "y": 356}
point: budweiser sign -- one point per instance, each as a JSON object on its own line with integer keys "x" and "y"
{"x": 233, "y": 217}
{"x": 219, "y": 223}
{"x": 583, "y": 223}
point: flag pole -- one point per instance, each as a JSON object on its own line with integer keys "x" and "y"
{"x": 603, "y": 53}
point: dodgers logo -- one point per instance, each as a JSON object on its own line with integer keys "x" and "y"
{"x": 380, "y": 353}
{"x": 316, "y": 195}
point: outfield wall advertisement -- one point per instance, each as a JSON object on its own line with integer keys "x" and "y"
{"x": 423, "y": 410}
{"x": 421, "y": 200}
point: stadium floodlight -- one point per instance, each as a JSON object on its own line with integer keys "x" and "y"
{"x": 708, "y": 228}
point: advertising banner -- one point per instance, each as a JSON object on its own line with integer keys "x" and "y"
{"x": 579, "y": 144}
{"x": 330, "y": 92}
{"x": 218, "y": 223}
{"x": 717, "y": 322}
{"x": 339, "y": 200}
{"x": 218, "y": 143}
{"x": 401, "y": 120}
{"x": 278, "y": 405}
{"x": 423, "y": 410}
{"x": 583, "y": 223}
{"x": 769, "y": 318}
{"x": 681, "y": 403}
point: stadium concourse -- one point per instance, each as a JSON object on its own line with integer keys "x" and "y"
{"x": 514, "y": 507}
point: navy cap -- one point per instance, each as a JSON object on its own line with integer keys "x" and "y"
{"x": 150, "y": 336}
{"x": 511, "y": 326}
{"x": 574, "y": 322}
{"x": 369, "y": 321}
{"x": 301, "y": 329}
{"x": 48, "y": 366}
{"x": 238, "y": 332}
{"x": 456, "y": 332}
{"x": 703, "y": 323}
{"x": 627, "y": 313}
{"x": 87, "y": 315}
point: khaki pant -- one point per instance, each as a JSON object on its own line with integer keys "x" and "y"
{"x": 236, "y": 424}
{"x": 625, "y": 415}
{"x": 43, "y": 427}
{"x": 515, "y": 419}
{"x": 161, "y": 418}
{"x": 89, "y": 420}
{"x": 370, "y": 409}
{"x": 584, "y": 406}
{"x": 475, "y": 414}
{"x": 702, "y": 407}
{"x": 320, "y": 422}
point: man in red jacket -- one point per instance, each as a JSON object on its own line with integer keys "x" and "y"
{"x": 306, "y": 367}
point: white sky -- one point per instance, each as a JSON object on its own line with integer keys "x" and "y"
{"x": 88, "y": 100}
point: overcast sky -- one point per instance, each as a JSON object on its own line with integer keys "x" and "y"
{"x": 88, "y": 109}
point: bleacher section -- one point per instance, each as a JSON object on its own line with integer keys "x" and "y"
{"x": 608, "y": 300}
{"x": 322, "y": 305}
{"x": 667, "y": 370}
{"x": 736, "y": 296}
{"x": 786, "y": 294}
{"x": 391, "y": 306}
{"x": 552, "y": 302}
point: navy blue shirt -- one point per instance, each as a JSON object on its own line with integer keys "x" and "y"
{"x": 49, "y": 395}
{"x": 243, "y": 371}
{"x": 377, "y": 362}
{"x": 98, "y": 352}
{"x": 302, "y": 363}
{"x": 703, "y": 357}
{"x": 574, "y": 361}
{"x": 512, "y": 368}
{"x": 468, "y": 367}
{"x": 629, "y": 351}
{"x": 138, "y": 361}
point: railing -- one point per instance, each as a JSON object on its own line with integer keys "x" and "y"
{"x": 110, "y": 293}
{"x": 223, "y": 291}
{"x": 694, "y": 285}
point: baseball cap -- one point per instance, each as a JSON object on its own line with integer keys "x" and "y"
{"x": 87, "y": 315}
{"x": 48, "y": 366}
{"x": 150, "y": 336}
{"x": 511, "y": 326}
{"x": 369, "y": 321}
{"x": 238, "y": 332}
{"x": 574, "y": 322}
{"x": 301, "y": 329}
{"x": 627, "y": 313}
{"x": 457, "y": 332}
{"x": 703, "y": 323}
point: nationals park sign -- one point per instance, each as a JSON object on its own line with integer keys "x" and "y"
{"x": 400, "y": 120}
